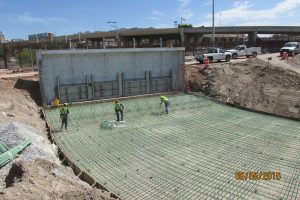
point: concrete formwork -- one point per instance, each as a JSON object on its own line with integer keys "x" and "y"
{"x": 80, "y": 75}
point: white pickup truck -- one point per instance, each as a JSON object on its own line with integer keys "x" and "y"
{"x": 242, "y": 50}
{"x": 213, "y": 54}
{"x": 291, "y": 48}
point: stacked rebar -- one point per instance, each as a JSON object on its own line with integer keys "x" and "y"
{"x": 9, "y": 155}
{"x": 3, "y": 147}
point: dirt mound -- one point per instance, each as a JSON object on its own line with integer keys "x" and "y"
{"x": 46, "y": 180}
{"x": 17, "y": 105}
{"x": 252, "y": 84}
{"x": 294, "y": 62}
{"x": 195, "y": 78}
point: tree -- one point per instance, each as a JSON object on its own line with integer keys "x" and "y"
{"x": 185, "y": 26}
{"x": 26, "y": 57}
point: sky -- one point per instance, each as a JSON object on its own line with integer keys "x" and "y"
{"x": 19, "y": 18}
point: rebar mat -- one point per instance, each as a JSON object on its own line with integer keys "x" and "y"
{"x": 193, "y": 152}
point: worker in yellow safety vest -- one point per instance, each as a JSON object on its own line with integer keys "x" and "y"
{"x": 64, "y": 112}
{"x": 119, "y": 110}
{"x": 165, "y": 100}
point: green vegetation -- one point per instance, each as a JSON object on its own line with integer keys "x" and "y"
{"x": 26, "y": 57}
{"x": 185, "y": 26}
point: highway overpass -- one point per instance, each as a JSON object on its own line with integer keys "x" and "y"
{"x": 182, "y": 34}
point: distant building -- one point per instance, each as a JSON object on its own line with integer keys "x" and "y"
{"x": 17, "y": 40}
{"x": 39, "y": 36}
{"x": 2, "y": 37}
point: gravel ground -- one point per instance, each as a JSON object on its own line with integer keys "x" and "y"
{"x": 13, "y": 134}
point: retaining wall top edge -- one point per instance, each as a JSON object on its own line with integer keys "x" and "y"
{"x": 71, "y": 51}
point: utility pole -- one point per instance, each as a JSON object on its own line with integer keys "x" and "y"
{"x": 213, "y": 21}
{"x": 182, "y": 19}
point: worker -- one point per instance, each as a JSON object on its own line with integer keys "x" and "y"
{"x": 64, "y": 112}
{"x": 165, "y": 100}
{"x": 119, "y": 109}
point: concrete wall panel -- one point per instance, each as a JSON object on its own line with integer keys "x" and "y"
{"x": 81, "y": 67}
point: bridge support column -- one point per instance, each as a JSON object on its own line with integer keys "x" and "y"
{"x": 198, "y": 40}
{"x": 121, "y": 42}
{"x": 252, "y": 36}
{"x": 104, "y": 43}
{"x": 134, "y": 42}
{"x": 182, "y": 36}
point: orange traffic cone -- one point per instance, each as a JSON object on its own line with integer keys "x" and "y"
{"x": 284, "y": 55}
{"x": 206, "y": 62}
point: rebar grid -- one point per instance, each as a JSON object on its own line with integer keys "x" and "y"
{"x": 191, "y": 153}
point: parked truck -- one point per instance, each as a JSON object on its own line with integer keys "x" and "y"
{"x": 242, "y": 50}
{"x": 213, "y": 54}
{"x": 291, "y": 48}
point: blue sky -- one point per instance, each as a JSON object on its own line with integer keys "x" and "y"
{"x": 22, "y": 17}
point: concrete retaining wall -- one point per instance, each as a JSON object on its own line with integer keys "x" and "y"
{"x": 80, "y": 75}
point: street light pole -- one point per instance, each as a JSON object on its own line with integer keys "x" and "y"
{"x": 220, "y": 19}
{"x": 213, "y": 21}
{"x": 116, "y": 26}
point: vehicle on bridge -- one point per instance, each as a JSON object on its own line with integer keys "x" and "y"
{"x": 213, "y": 54}
{"x": 242, "y": 50}
{"x": 291, "y": 48}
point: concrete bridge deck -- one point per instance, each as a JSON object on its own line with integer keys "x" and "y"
{"x": 192, "y": 153}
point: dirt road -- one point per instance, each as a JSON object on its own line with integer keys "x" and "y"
{"x": 9, "y": 73}
{"x": 291, "y": 64}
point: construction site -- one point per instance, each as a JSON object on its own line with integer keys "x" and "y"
{"x": 230, "y": 130}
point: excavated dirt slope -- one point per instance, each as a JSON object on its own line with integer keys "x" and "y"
{"x": 251, "y": 83}
{"x": 46, "y": 180}
{"x": 29, "y": 178}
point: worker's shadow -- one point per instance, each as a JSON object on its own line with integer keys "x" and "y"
{"x": 157, "y": 113}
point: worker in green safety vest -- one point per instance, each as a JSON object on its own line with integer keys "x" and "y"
{"x": 119, "y": 110}
{"x": 64, "y": 112}
{"x": 165, "y": 100}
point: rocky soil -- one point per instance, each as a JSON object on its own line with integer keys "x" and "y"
{"x": 251, "y": 83}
